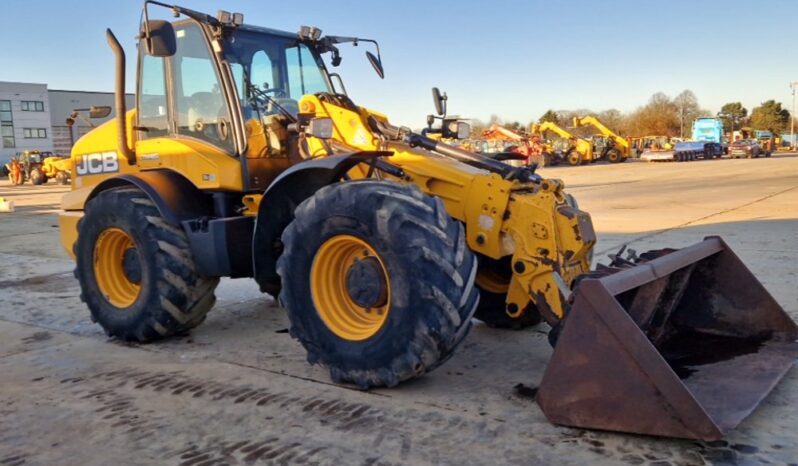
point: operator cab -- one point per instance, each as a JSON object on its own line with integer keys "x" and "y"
{"x": 229, "y": 88}
{"x": 270, "y": 72}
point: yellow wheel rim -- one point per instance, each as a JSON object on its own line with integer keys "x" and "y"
{"x": 109, "y": 256}
{"x": 350, "y": 287}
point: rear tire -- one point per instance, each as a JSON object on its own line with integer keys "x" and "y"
{"x": 574, "y": 158}
{"x": 425, "y": 278}
{"x": 613, "y": 156}
{"x": 62, "y": 178}
{"x": 172, "y": 297}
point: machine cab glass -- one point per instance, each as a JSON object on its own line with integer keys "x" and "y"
{"x": 193, "y": 105}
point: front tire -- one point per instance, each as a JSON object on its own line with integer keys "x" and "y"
{"x": 378, "y": 282}
{"x": 62, "y": 178}
{"x": 574, "y": 158}
{"x": 614, "y": 156}
{"x": 136, "y": 272}
{"x": 37, "y": 177}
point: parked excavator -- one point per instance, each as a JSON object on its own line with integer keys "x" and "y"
{"x": 579, "y": 151}
{"x": 615, "y": 148}
{"x": 242, "y": 159}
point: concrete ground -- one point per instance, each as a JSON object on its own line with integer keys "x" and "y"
{"x": 237, "y": 390}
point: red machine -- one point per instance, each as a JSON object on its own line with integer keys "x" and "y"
{"x": 531, "y": 149}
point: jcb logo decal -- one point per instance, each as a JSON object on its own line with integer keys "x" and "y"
{"x": 93, "y": 164}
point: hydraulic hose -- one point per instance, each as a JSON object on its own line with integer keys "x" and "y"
{"x": 471, "y": 158}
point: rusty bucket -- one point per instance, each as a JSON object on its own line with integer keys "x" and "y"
{"x": 685, "y": 345}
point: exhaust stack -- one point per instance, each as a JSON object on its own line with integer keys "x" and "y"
{"x": 119, "y": 94}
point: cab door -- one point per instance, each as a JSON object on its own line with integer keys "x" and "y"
{"x": 184, "y": 121}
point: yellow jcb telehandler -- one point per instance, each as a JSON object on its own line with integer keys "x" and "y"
{"x": 579, "y": 150}
{"x": 242, "y": 159}
{"x": 615, "y": 148}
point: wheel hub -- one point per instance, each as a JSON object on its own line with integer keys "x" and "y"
{"x": 350, "y": 287}
{"x": 131, "y": 265}
{"x": 117, "y": 268}
{"x": 365, "y": 282}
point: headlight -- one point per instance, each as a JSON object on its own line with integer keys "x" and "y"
{"x": 463, "y": 130}
{"x": 321, "y": 128}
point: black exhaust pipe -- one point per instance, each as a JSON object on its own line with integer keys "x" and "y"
{"x": 119, "y": 94}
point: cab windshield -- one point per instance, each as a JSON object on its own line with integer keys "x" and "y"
{"x": 273, "y": 72}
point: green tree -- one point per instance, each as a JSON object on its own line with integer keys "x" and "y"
{"x": 550, "y": 115}
{"x": 733, "y": 115}
{"x": 770, "y": 116}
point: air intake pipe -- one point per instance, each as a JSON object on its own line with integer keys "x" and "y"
{"x": 119, "y": 94}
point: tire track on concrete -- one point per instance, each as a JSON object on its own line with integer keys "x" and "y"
{"x": 697, "y": 220}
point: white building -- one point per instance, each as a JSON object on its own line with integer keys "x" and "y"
{"x": 24, "y": 118}
{"x": 34, "y": 118}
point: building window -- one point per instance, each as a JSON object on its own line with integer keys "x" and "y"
{"x": 32, "y": 106}
{"x": 5, "y": 110}
{"x": 7, "y": 133}
{"x": 6, "y": 125}
{"x": 34, "y": 133}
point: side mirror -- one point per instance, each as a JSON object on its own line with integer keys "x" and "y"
{"x": 321, "y": 128}
{"x": 99, "y": 112}
{"x": 439, "y": 101}
{"x": 158, "y": 37}
{"x": 376, "y": 64}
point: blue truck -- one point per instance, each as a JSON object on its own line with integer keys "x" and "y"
{"x": 707, "y": 140}
{"x": 706, "y": 143}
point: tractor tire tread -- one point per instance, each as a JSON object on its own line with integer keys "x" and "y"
{"x": 180, "y": 297}
{"x": 415, "y": 229}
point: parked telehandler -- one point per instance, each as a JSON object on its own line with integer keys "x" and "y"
{"x": 579, "y": 150}
{"x": 616, "y": 148}
{"x": 241, "y": 159}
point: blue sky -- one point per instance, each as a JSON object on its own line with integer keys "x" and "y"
{"x": 513, "y": 59}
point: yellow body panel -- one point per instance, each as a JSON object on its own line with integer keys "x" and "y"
{"x": 203, "y": 164}
{"x": 502, "y": 218}
{"x": 206, "y": 166}
{"x": 52, "y": 165}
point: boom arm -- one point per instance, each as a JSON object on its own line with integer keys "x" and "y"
{"x": 589, "y": 120}
{"x": 500, "y": 132}
{"x": 583, "y": 146}
{"x": 542, "y": 128}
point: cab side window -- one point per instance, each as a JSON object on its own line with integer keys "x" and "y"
{"x": 152, "y": 107}
{"x": 198, "y": 98}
